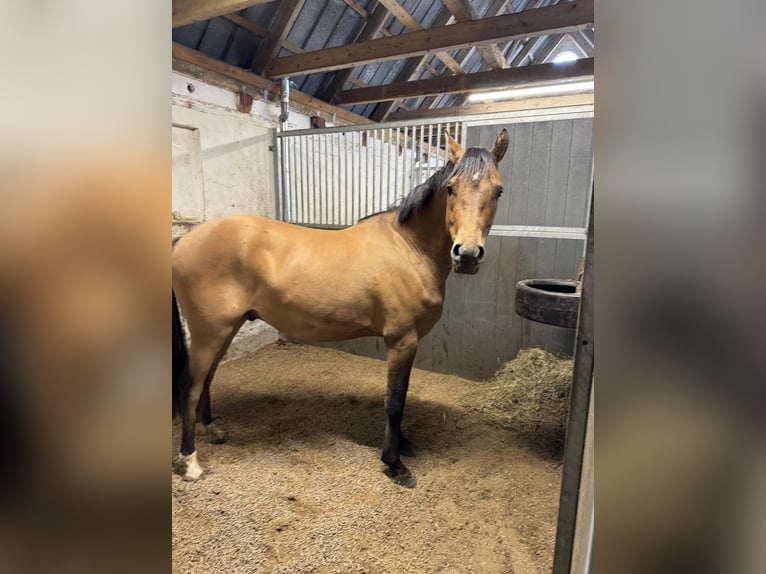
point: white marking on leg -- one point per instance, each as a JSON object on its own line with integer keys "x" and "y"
{"x": 193, "y": 469}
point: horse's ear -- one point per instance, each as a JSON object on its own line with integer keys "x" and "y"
{"x": 454, "y": 149}
{"x": 501, "y": 146}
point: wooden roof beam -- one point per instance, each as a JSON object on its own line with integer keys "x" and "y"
{"x": 247, "y": 24}
{"x": 410, "y": 68}
{"x": 218, "y": 73}
{"x": 585, "y": 48}
{"x": 509, "y": 77}
{"x": 464, "y": 11}
{"x": 369, "y": 31}
{"x": 569, "y": 100}
{"x": 357, "y": 8}
{"x": 411, "y": 24}
{"x": 283, "y": 22}
{"x": 565, "y": 17}
{"x": 187, "y": 12}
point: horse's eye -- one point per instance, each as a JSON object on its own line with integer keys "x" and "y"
{"x": 450, "y": 190}
{"x": 498, "y": 192}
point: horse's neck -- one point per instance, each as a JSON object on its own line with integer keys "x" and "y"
{"x": 426, "y": 230}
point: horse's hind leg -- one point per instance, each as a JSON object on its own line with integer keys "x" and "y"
{"x": 401, "y": 354}
{"x": 204, "y": 415}
{"x": 205, "y": 353}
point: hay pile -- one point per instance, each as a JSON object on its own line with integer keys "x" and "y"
{"x": 530, "y": 396}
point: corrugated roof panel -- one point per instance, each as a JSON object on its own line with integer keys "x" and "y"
{"x": 431, "y": 13}
{"x": 473, "y": 63}
{"x": 346, "y": 30}
{"x": 328, "y": 23}
{"x": 306, "y": 22}
{"x": 215, "y": 37}
{"x": 242, "y": 50}
{"x": 418, "y": 9}
{"x": 262, "y": 14}
{"x": 189, "y": 35}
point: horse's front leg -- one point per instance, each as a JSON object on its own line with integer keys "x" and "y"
{"x": 401, "y": 354}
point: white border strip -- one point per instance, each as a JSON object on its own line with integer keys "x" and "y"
{"x": 579, "y": 233}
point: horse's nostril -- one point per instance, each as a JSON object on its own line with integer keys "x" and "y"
{"x": 456, "y": 250}
{"x": 481, "y": 252}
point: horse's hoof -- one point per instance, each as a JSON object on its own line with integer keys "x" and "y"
{"x": 216, "y": 434}
{"x": 187, "y": 466}
{"x": 402, "y": 476}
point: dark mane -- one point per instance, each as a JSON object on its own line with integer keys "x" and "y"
{"x": 475, "y": 160}
{"x": 422, "y": 194}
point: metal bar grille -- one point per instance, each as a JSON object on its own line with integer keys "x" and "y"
{"x": 333, "y": 177}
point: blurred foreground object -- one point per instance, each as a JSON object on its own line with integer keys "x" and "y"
{"x": 84, "y": 281}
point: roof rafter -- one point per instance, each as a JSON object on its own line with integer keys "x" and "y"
{"x": 410, "y": 68}
{"x": 283, "y": 22}
{"x": 410, "y": 23}
{"x": 199, "y": 65}
{"x": 369, "y": 31}
{"x": 187, "y": 12}
{"x": 464, "y": 11}
{"x": 566, "y": 17}
{"x": 465, "y": 83}
{"x": 510, "y": 106}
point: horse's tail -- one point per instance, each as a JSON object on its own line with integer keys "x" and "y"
{"x": 181, "y": 377}
{"x": 180, "y": 361}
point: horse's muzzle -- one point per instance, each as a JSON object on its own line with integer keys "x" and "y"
{"x": 466, "y": 264}
{"x": 466, "y": 260}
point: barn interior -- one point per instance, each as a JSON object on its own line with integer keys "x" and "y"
{"x": 319, "y": 113}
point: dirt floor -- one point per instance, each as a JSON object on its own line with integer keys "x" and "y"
{"x": 299, "y": 486}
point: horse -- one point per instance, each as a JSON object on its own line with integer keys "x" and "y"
{"x": 384, "y": 276}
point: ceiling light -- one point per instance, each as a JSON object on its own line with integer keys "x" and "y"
{"x": 533, "y": 91}
{"x": 566, "y": 56}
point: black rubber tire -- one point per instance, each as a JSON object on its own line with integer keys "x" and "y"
{"x": 549, "y": 301}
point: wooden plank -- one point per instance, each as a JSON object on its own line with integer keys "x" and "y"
{"x": 187, "y": 12}
{"x": 464, "y": 11}
{"x": 247, "y": 24}
{"x": 518, "y": 180}
{"x": 507, "y": 78}
{"x": 368, "y": 32}
{"x": 568, "y": 255}
{"x": 579, "y": 183}
{"x": 398, "y": 11}
{"x": 357, "y": 8}
{"x": 410, "y": 68}
{"x": 566, "y": 17}
{"x": 218, "y": 73}
{"x": 508, "y": 330}
{"x": 538, "y": 179}
{"x": 558, "y": 174}
{"x": 278, "y": 31}
{"x": 509, "y": 106}
{"x": 454, "y": 305}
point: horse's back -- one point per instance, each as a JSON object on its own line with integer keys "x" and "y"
{"x": 312, "y": 284}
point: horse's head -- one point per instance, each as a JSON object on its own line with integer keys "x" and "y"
{"x": 472, "y": 193}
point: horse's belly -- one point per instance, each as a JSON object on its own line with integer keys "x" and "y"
{"x": 320, "y": 319}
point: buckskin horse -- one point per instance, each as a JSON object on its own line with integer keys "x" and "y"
{"x": 384, "y": 276}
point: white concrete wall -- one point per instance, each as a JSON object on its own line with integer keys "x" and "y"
{"x": 222, "y": 165}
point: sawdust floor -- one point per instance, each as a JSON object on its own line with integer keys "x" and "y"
{"x": 299, "y": 486}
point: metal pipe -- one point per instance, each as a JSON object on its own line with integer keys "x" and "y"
{"x": 285, "y": 101}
